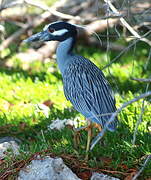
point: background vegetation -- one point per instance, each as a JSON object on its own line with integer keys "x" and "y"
{"x": 31, "y": 97}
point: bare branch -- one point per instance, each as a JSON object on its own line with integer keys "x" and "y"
{"x": 138, "y": 123}
{"x": 126, "y": 49}
{"x": 52, "y": 10}
{"x": 37, "y": 21}
{"x": 124, "y": 22}
{"x": 143, "y": 167}
{"x": 13, "y": 37}
{"x": 100, "y": 135}
{"x": 10, "y": 4}
{"x": 142, "y": 80}
{"x": 67, "y": 16}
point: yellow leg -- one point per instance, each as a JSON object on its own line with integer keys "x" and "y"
{"x": 76, "y": 139}
{"x": 89, "y": 129}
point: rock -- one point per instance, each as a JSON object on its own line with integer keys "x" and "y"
{"x": 59, "y": 124}
{"x": 9, "y": 138}
{"x": 8, "y": 146}
{"x": 42, "y": 108}
{"x": 47, "y": 169}
{"x": 98, "y": 176}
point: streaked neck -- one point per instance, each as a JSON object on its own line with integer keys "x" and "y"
{"x": 64, "y": 52}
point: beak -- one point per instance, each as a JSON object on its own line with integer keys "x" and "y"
{"x": 41, "y": 37}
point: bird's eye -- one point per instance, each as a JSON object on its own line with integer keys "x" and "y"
{"x": 51, "y": 30}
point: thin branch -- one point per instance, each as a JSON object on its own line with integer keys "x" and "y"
{"x": 124, "y": 22}
{"x": 10, "y": 5}
{"x": 138, "y": 122}
{"x": 142, "y": 80}
{"x": 100, "y": 135}
{"x": 126, "y": 49}
{"x": 52, "y": 10}
{"x": 13, "y": 37}
{"x": 143, "y": 167}
{"x": 37, "y": 21}
{"x": 67, "y": 16}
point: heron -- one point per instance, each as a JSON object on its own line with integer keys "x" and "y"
{"x": 85, "y": 85}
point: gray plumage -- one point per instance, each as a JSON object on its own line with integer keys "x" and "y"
{"x": 84, "y": 83}
{"x": 87, "y": 89}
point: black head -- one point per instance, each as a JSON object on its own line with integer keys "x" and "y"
{"x": 58, "y": 31}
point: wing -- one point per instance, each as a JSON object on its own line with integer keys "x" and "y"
{"x": 87, "y": 89}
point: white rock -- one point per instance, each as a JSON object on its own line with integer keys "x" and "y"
{"x": 47, "y": 169}
{"x": 98, "y": 176}
{"x": 59, "y": 124}
{"x": 6, "y": 148}
{"x": 42, "y": 108}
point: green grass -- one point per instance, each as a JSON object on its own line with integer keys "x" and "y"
{"x": 21, "y": 91}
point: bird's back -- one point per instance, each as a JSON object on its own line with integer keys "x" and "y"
{"x": 87, "y": 89}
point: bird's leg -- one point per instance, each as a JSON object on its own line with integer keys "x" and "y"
{"x": 89, "y": 129}
{"x": 77, "y": 134}
{"x": 76, "y": 139}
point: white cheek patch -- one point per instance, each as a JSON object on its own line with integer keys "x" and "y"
{"x": 59, "y": 32}
{"x": 46, "y": 27}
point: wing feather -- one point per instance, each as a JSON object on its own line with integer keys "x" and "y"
{"x": 87, "y": 89}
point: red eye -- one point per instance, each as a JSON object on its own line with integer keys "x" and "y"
{"x": 51, "y": 30}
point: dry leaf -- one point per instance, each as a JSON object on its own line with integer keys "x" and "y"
{"x": 48, "y": 103}
{"x": 85, "y": 175}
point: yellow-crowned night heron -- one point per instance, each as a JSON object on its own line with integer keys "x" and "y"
{"x": 84, "y": 83}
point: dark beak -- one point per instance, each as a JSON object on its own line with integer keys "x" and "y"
{"x": 41, "y": 37}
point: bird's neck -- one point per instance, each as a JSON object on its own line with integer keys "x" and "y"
{"x": 64, "y": 52}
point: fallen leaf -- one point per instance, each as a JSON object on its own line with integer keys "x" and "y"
{"x": 85, "y": 175}
{"x": 48, "y": 103}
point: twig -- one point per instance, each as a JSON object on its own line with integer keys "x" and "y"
{"x": 143, "y": 167}
{"x": 9, "y": 5}
{"x": 127, "y": 48}
{"x": 116, "y": 113}
{"x": 67, "y": 16}
{"x": 140, "y": 118}
{"x": 51, "y": 10}
{"x": 13, "y": 37}
{"x": 37, "y": 21}
{"x": 141, "y": 80}
{"x": 138, "y": 123}
{"x": 124, "y": 22}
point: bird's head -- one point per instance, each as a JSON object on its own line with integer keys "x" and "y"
{"x": 57, "y": 31}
